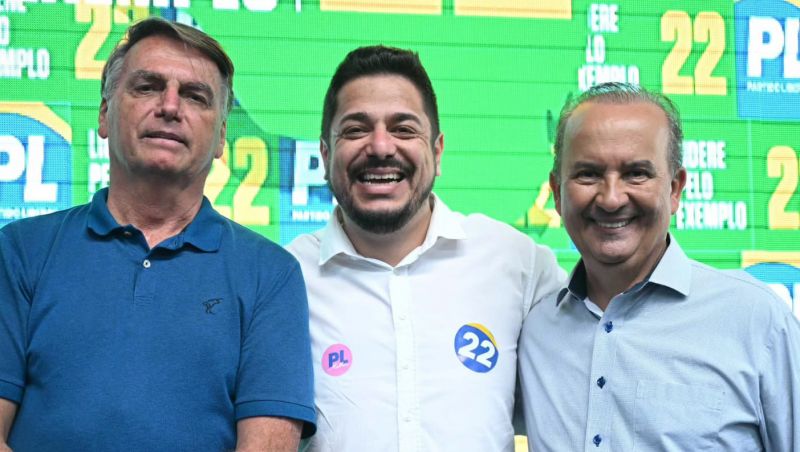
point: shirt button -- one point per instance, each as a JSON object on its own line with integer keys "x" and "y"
{"x": 127, "y": 233}
{"x": 146, "y": 263}
{"x": 609, "y": 326}
{"x": 597, "y": 440}
{"x": 601, "y": 382}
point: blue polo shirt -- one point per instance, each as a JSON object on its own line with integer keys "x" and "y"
{"x": 106, "y": 344}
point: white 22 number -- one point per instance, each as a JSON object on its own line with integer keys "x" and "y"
{"x": 468, "y": 350}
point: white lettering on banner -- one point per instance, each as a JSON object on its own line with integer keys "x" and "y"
{"x": 768, "y": 40}
{"x": 711, "y": 215}
{"x": 603, "y": 18}
{"x": 704, "y": 154}
{"x": 590, "y": 75}
{"x": 35, "y": 190}
{"x": 251, "y": 5}
{"x": 99, "y": 166}
{"x": 5, "y": 31}
{"x": 35, "y": 64}
{"x": 12, "y": 6}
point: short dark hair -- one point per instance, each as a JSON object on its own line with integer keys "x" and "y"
{"x": 622, "y": 93}
{"x": 380, "y": 60}
{"x": 191, "y": 37}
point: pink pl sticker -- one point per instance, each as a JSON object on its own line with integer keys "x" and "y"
{"x": 337, "y": 360}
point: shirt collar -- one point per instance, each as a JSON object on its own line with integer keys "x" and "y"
{"x": 674, "y": 270}
{"x": 204, "y": 232}
{"x": 444, "y": 224}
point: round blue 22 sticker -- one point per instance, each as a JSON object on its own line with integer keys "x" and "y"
{"x": 476, "y": 348}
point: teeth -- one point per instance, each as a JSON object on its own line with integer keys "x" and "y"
{"x": 380, "y": 178}
{"x": 614, "y": 225}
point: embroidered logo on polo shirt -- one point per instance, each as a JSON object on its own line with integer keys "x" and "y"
{"x": 476, "y": 347}
{"x": 337, "y": 360}
{"x": 209, "y": 304}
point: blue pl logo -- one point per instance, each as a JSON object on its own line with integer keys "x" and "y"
{"x": 306, "y": 201}
{"x": 767, "y": 64}
{"x": 783, "y": 278}
{"x": 35, "y": 161}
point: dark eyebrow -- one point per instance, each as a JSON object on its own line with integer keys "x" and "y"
{"x": 358, "y": 116}
{"x": 640, "y": 164}
{"x": 400, "y": 117}
{"x": 144, "y": 75}
{"x": 584, "y": 165}
{"x": 151, "y": 76}
{"x": 198, "y": 87}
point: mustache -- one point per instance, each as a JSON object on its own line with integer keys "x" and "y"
{"x": 373, "y": 162}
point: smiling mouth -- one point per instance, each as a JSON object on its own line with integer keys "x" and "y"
{"x": 384, "y": 178}
{"x": 613, "y": 224}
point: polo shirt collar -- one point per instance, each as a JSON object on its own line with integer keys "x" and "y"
{"x": 674, "y": 270}
{"x": 445, "y": 224}
{"x": 204, "y": 232}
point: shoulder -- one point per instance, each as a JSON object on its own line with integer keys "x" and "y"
{"x": 39, "y": 233}
{"x": 247, "y": 245}
{"x": 306, "y": 247}
{"x": 738, "y": 294}
{"x": 480, "y": 226}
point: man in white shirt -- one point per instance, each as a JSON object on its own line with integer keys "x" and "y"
{"x": 415, "y": 310}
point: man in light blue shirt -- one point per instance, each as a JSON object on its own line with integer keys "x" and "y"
{"x": 646, "y": 349}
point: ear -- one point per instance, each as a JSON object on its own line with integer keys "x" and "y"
{"x": 438, "y": 149}
{"x": 676, "y": 188}
{"x": 223, "y": 133}
{"x": 102, "y": 120}
{"x": 324, "y": 152}
{"x": 555, "y": 188}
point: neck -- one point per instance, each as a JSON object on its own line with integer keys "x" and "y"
{"x": 606, "y": 281}
{"x": 158, "y": 211}
{"x": 392, "y": 247}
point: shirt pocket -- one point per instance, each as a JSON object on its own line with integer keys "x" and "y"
{"x": 676, "y": 417}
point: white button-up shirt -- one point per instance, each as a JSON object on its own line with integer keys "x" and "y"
{"x": 421, "y": 356}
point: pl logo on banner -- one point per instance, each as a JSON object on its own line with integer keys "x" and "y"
{"x": 35, "y": 161}
{"x": 306, "y": 200}
{"x": 767, "y": 60}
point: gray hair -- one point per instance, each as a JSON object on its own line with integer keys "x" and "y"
{"x": 191, "y": 37}
{"x": 622, "y": 93}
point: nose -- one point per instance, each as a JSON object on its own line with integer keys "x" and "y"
{"x": 612, "y": 194}
{"x": 170, "y": 103}
{"x": 381, "y": 143}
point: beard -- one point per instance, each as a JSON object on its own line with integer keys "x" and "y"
{"x": 383, "y": 221}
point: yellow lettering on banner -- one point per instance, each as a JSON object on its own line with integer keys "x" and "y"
{"x": 383, "y": 6}
{"x": 538, "y": 9}
{"x": 86, "y": 65}
{"x": 676, "y": 26}
{"x": 217, "y": 180}
{"x": 251, "y": 154}
{"x": 782, "y": 162}
{"x": 709, "y": 29}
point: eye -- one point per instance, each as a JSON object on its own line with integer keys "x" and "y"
{"x": 143, "y": 88}
{"x": 638, "y": 175}
{"x": 405, "y": 132}
{"x": 353, "y": 132}
{"x": 198, "y": 98}
{"x": 586, "y": 175}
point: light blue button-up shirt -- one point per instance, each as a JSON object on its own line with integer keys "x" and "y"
{"x": 692, "y": 359}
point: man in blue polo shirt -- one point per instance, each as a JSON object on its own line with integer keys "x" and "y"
{"x": 192, "y": 333}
